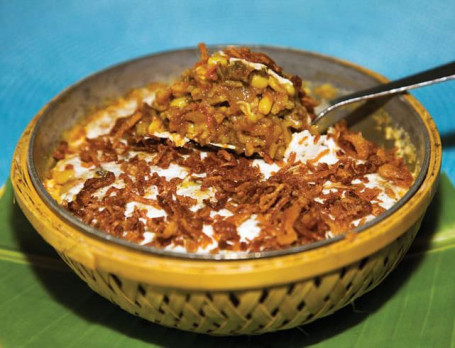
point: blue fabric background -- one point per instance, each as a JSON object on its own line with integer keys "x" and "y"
{"x": 47, "y": 45}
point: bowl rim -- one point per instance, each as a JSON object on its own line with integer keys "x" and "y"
{"x": 231, "y": 256}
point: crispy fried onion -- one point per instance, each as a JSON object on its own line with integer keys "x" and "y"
{"x": 299, "y": 204}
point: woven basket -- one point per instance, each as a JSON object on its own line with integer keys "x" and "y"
{"x": 252, "y": 311}
{"x": 233, "y": 297}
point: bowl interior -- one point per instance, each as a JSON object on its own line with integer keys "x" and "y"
{"x": 93, "y": 92}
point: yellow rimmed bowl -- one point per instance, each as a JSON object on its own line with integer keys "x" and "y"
{"x": 237, "y": 293}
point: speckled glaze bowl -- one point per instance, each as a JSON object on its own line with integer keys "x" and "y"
{"x": 239, "y": 293}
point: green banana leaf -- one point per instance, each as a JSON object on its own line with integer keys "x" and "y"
{"x": 43, "y": 304}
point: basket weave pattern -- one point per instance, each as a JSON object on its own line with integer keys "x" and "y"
{"x": 253, "y": 311}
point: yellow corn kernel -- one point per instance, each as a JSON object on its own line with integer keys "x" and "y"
{"x": 203, "y": 136}
{"x": 259, "y": 81}
{"x": 196, "y": 93}
{"x": 191, "y": 130}
{"x": 265, "y": 105}
{"x": 246, "y": 109}
{"x": 290, "y": 88}
{"x": 217, "y": 60}
{"x": 273, "y": 82}
{"x": 63, "y": 176}
{"x": 201, "y": 71}
{"x": 154, "y": 126}
{"x": 141, "y": 128}
{"x": 179, "y": 102}
{"x": 253, "y": 117}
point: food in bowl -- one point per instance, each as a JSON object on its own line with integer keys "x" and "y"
{"x": 115, "y": 172}
{"x": 235, "y": 97}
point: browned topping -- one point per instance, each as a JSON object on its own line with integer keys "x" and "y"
{"x": 254, "y": 57}
{"x": 61, "y": 150}
{"x": 129, "y": 122}
{"x": 396, "y": 174}
{"x": 291, "y": 206}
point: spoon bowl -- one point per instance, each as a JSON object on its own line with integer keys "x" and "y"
{"x": 326, "y": 117}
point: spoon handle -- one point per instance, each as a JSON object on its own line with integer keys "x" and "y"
{"x": 439, "y": 74}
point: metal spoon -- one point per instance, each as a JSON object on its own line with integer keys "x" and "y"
{"x": 326, "y": 118}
